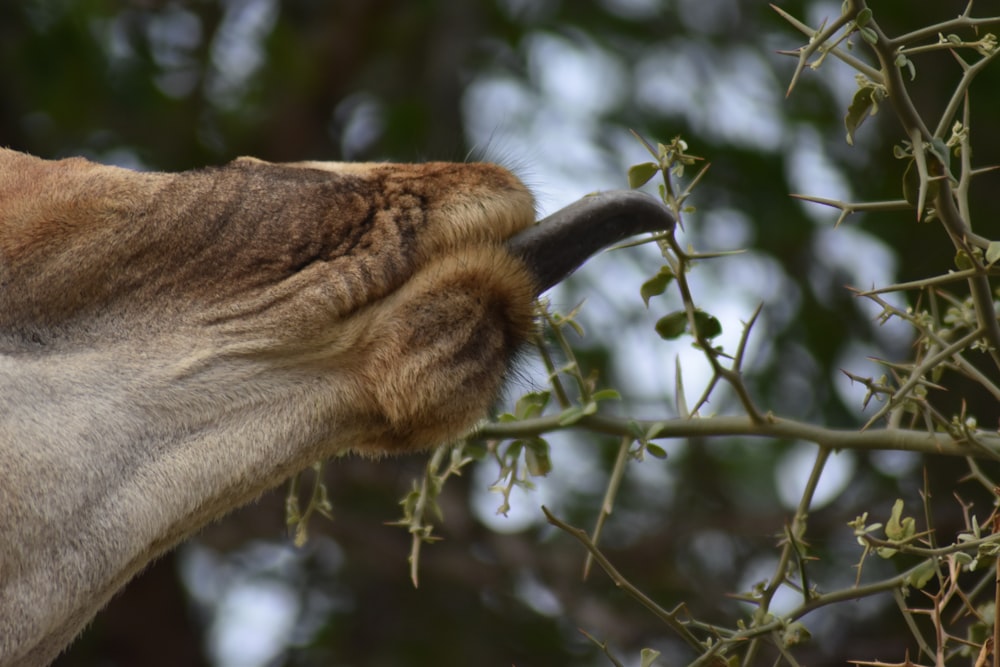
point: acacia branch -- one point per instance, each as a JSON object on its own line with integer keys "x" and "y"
{"x": 669, "y": 618}
{"x": 899, "y": 439}
{"x": 963, "y": 22}
{"x": 958, "y": 229}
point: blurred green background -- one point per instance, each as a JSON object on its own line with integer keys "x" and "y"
{"x": 549, "y": 88}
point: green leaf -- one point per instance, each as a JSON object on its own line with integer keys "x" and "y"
{"x": 654, "y": 430}
{"x": 536, "y": 457}
{"x": 869, "y": 35}
{"x": 886, "y": 552}
{"x": 902, "y": 61}
{"x": 963, "y": 261}
{"x": 911, "y": 185}
{"x": 570, "y": 415}
{"x": 647, "y": 657}
{"x": 656, "y": 451}
{"x": 795, "y": 634}
{"x": 708, "y": 326}
{"x": 606, "y": 395}
{"x": 897, "y": 528}
{"x": 656, "y": 285}
{"x": 864, "y": 16}
{"x": 861, "y": 107}
{"x": 531, "y": 404}
{"x": 672, "y": 326}
{"x": 921, "y": 575}
{"x": 640, "y": 174}
{"x": 940, "y": 150}
{"x": 992, "y": 252}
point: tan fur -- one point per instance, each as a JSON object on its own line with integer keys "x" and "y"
{"x": 171, "y": 345}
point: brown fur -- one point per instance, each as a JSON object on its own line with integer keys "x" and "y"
{"x": 171, "y": 345}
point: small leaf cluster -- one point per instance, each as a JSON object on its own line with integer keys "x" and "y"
{"x": 296, "y": 518}
{"x": 671, "y": 159}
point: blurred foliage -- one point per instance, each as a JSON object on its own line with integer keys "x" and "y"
{"x": 177, "y": 85}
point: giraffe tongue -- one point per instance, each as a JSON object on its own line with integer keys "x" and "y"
{"x": 560, "y": 243}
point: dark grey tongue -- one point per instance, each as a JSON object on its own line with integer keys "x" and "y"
{"x": 560, "y": 243}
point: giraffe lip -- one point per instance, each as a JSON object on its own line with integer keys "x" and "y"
{"x": 557, "y": 245}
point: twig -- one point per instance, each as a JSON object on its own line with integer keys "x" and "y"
{"x": 614, "y": 481}
{"x": 817, "y": 38}
{"x": 621, "y": 582}
{"x": 960, "y": 23}
{"x": 797, "y": 529}
{"x": 948, "y": 115}
{"x": 934, "y": 281}
{"x": 918, "y": 372}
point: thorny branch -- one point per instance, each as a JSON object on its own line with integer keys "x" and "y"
{"x": 948, "y": 327}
